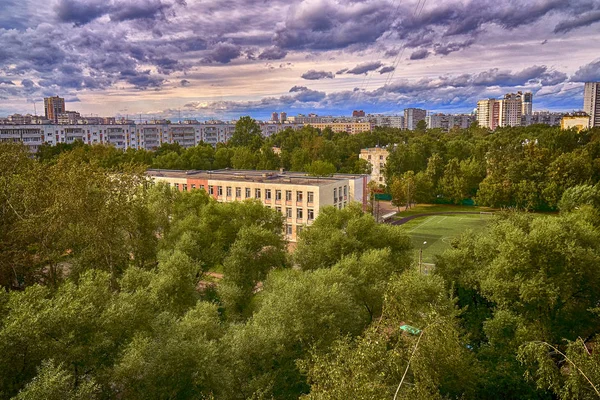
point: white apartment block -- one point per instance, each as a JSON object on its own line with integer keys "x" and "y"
{"x": 295, "y": 195}
{"x": 377, "y": 159}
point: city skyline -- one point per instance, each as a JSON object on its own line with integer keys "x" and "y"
{"x": 222, "y": 59}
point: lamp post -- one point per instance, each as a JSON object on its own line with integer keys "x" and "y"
{"x": 421, "y": 257}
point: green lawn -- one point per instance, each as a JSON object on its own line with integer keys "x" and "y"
{"x": 430, "y": 208}
{"x": 438, "y": 230}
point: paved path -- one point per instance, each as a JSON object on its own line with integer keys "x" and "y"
{"x": 404, "y": 220}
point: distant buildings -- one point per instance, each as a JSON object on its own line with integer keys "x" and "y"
{"x": 412, "y": 116}
{"x": 591, "y": 102}
{"x": 358, "y": 114}
{"x": 275, "y": 117}
{"x": 509, "y": 111}
{"x": 386, "y": 121}
{"x": 295, "y": 195}
{"x": 578, "y": 120}
{"x": 282, "y": 117}
{"x": 377, "y": 159}
{"x": 542, "y": 117}
{"x": 348, "y": 127}
{"x": 447, "y": 122}
{"x": 53, "y": 106}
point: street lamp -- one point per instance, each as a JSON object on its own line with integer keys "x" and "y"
{"x": 421, "y": 257}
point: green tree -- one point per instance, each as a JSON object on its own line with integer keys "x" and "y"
{"x": 247, "y": 133}
{"x": 320, "y": 168}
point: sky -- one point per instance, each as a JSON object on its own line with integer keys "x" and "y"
{"x": 225, "y": 58}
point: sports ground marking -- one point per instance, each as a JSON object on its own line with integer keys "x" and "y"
{"x": 426, "y": 221}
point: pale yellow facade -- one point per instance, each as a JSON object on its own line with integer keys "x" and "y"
{"x": 349, "y": 127}
{"x": 579, "y": 122}
{"x": 377, "y": 159}
{"x": 297, "y": 196}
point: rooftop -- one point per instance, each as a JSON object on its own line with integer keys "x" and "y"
{"x": 238, "y": 175}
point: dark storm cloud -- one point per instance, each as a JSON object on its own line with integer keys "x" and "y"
{"x": 387, "y": 69}
{"x": 364, "y": 68}
{"x": 419, "y": 54}
{"x": 588, "y": 73}
{"x": 6, "y": 82}
{"x": 142, "y": 80}
{"x": 184, "y": 83}
{"x": 586, "y": 19}
{"x": 298, "y": 89}
{"x": 326, "y": 25}
{"x": 272, "y": 53}
{"x": 223, "y": 53}
{"x": 80, "y": 12}
{"x": 447, "y": 48}
{"x": 138, "y": 9}
{"x": 341, "y": 71}
{"x": 314, "y": 75}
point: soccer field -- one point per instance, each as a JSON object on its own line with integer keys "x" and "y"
{"x": 438, "y": 230}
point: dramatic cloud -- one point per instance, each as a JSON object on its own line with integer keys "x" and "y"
{"x": 419, "y": 54}
{"x": 273, "y": 53}
{"x": 588, "y": 73}
{"x": 313, "y": 75}
{"x": 364, "y": 68}
{"x": 110, "y": 51}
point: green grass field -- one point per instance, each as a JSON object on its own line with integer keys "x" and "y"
{"x": 438, "y": 230}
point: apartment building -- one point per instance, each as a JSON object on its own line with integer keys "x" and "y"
{"x": 53, "y": 106}
{"x": 377, "y": 158}
{"x": 447, "y": 122}
{"x": 591, "y": 102}
{"x": 295, "y": 195}
{"x": 412, "y": 116}
{"x": 577, "y": 120}
{"x": 348, "y": 127}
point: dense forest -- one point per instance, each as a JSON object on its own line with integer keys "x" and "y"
{"x": 522, "y": 167}
{"x": 109, "y": 287}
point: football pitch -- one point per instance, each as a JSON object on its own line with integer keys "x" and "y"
{"x": 434, "y": 233}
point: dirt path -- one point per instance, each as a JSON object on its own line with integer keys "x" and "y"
{"x": 404, "y": 220}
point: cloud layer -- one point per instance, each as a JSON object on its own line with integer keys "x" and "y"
{"x": 150, "y": 54}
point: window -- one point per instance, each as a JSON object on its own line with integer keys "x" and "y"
{"x": 381, "y": 157}
{"x": 298, "y": 229}
{"x": 193, "y": 186}
{"x": 298, "y": 196}
{"x": 299, "y": 213}
{"x": 177, "y": 186}
{"x": 278, "y": 195}
{"x": 288, "y": 230}
{"x": 288, "y": 212}
{"x": 335, "y": 195}
{"x": 220, "y": 190}
{"x": 257, "y": 193}
{"x": 185, "y": 187}
{"x": 202, "y": 187}
{"x": 288, "y": 195}
{"x": 345, "y": 191}
{"x": 381, "y": 165}
{"x": 278, "y": 209}
{"x": 228, "y": 191}
{"x": 311, "y": 197}
{"x": 369, "y": 157}
{"x": 211, "y": 189}
{"x": 248, "y": 193}
{"x": 310, "y": 214}
{"x": 238, "y": 192}
{"x": 267, "y": 194}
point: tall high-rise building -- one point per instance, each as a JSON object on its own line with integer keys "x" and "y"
{"x": 282, "y": 117}
{"x": 591, "y": 102}
{"x": 511, "y": 109}
{"x": 488, "y": 113}
{"x": 412, "y": 116}
{"x": 358, "y": 113}
{"x": 275, "y": 117}
{"x": 527, "y": 99}
{"x": 54, "y": 106}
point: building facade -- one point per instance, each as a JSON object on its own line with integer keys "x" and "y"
{"x": 447, "y": 122}
{"x": 488, "y": 113}
{"x": 591, "y": 102}
{"x": 295, "y": 195}
{"x": 377, "y": 159}
{"x": 577, "y": 120}
{"x": 412, "y": 116}
{"x": 53, "y": 106}
{"x": 348, "y": 127}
